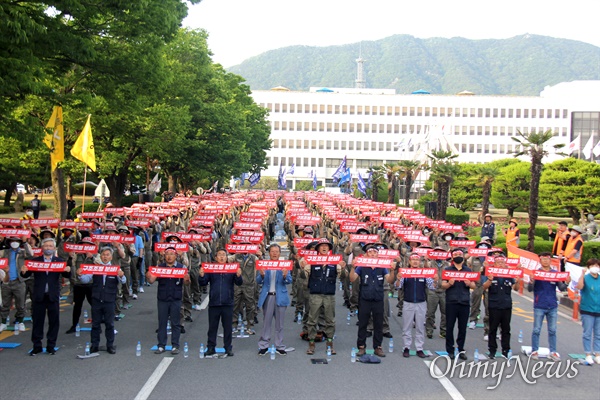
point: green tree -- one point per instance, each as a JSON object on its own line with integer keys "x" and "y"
{"x": 377, "y": 177}
{"x": 443, "y": 172}
{"x": 391, "y": 173}
{"x": 534, "y": 145}
{"x": 571, "y": 184}
{"x": 511, "y": 187}
{"x": 485, "y": 176}
{"x": 408, "y": 170}
{"x": 465, "y": 194}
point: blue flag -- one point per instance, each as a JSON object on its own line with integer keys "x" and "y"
{"x": 346, "y": 177}
{"x": 362, "y": 187}
{"x": 253, "y": 179}
{"x": 243, "y": 177}
{"x": 340, "y": 170}
{"x": 281, "y": 179}
{"x": 314, "y": 180}
{"x": 291, "y": 170}
{"x": 370, "y": 180}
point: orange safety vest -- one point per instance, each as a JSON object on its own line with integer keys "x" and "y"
{"x": 511, "y": 234}
{"x": 559, "y": 243}
{"x": 576, "y": 259}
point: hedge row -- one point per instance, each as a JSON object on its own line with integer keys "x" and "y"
{"x": 11, "y": 209}
{"x": 127, "y": 201}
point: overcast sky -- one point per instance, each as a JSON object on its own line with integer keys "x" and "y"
{"x": 240, "y": 29}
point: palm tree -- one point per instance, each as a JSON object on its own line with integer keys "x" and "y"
{"x": 376, "y": 177}
{"x": 391, "y": 172}
{"x": 443, "y": 171}
{"x": 486, "y": 174}
{"x": 533, "y": 145}
{"x": 408, "y": 169}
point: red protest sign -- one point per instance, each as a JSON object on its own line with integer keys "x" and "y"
{"x": 460, "y": 275}
{"x": 302, "y": 242}
{"x": 249, "y": 226}
{"x": 511, "y": 262}
{"x": 550, "y": 276}
{"x": 373, "y": 262}
{"x": 242, "y": 248}
{"x": 95, "y": 269}
{"x": 162, "y": 246}
{"x": 364, "y": 238}
{"x": 422, "y": 251}
{"x": 11, "y": 221}
{"x": 114, "y": 210}
{"x": 40, "y": 266}
{"x": 80, "y": 248}
{"x": 138, "y": 224}
{"x": 304, "y": 253}
{"x": 274, "y": 264}
{"x": 307, "y": 220}
{"x": 323, "y": 260}
{"x": 504, "y": 272}
{"x": 414, "y": 238}
{"x": 417, "y": 272}
{"x": 245, "y": 239}
{"x": 463, "y": 243}
{"x": 15, "y": 232}
{"x": 37, "y": 252}
{"x": 142, "y": 215}
{"x": 51, "y": 222}
{"x": 166, "y": 272}
{"x": 438, "y": 255}
{"x": 352, "y": 226}
{"x": 76, "y": 225}
{"x": 106, "y": 238}
{"x": 212, "y": 268}
{"x": 476, "y": 252}
{"x": 92, "y": 215}
{"x": 251, "y": 220}
{"x": 3, "y": 263}
{"x": 388, "y": 253}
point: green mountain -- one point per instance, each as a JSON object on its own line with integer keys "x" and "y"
{"x": 522, "y": 65}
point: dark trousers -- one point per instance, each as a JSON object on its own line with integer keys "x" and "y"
{"x": 39, "y": 318}
{"x": 135, "y": 274}
{"x": 502, "y": 319}
{"x": 225, "y": 314}
{"x": 366, "y": 309}
{"x": 103, "y": 313}
{"x": 80, "y": 293}
{"x": 169, "y": 310}
{"x": 455, "y": 312}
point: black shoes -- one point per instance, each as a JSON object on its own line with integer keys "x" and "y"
{"x": 462, "y": 356}
{"x": 406, "y": 353}
{"x": 50, "y": 351}
{"x": 229, "y": 353}
{"x": 421, "y": 354}
{"x": 110, "y": 350}
{"x": 36, "y": 351}
{"x": 369, "y": 333}
{"x": 388, "y": 335}
{"x": 210, "y": 352}
{"x": 188, "y": 319}
{"x": 262, "y": 352}
{"x": 93, "y": 349}
{"x": 281, "y": 352}
{"x": 71, "y": 330}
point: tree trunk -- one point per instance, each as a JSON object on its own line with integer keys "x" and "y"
{"x": 534, "y": 189}
{"x": 116, "y": 184}
{"x": 172, "y": 183}
{"x": 574, "y": 214}
{"x": 408, "y": 186}
{"x": 70, "y": 186}
{"x": 511, "y": 212}
{"x": 375, "y": 189}
{"x": 9, "y": 191}
{"x": 390, "y": 198}
{"x": 442, "y": 205}
{"x": 60, "y": 194}
{"x": 485, "y": 200}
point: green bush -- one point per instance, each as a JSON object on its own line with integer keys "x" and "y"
{"x": 540, "y": 231}
{"x": 6, "y": 210}
{"x": 455, "y": 216}
{"x": 157, "y": 199}
{"x": 590, "y": 250}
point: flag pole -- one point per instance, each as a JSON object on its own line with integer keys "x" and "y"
{"x": 84, "y": 187}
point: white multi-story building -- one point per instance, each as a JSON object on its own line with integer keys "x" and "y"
{"x": 314, "y": 130}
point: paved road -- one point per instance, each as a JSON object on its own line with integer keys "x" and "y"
{"x": 247, "y": 375}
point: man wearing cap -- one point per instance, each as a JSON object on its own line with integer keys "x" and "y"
{"x": 243, "y": 296}
{"x": 574, "y": 247}
{"x": 488, "y": 228}
{"x": 414, "y": 307}
{"x": 560, "y": 238}
{"x": 46, "y": 299}
{"x": 457, "y": 305}
{"x": 545, "y": 306}
{"x": 321, "y": 285}
{"x": 500, "y": 306}
{"x": 220, "y": 304}
{"x": 273, "y": 300}
{"x": 36, "y": 206}
{"x": 476, "y": 264}
{"x": 436, "y": 298}
{"x": 169, "y": 296}
{"x": 15, "y": 287}
{"x": 81, "y": 290}
{"x": 104, "y": 295}
{"x": 371, "y": 300}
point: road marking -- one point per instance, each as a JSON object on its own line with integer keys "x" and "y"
{"x": 204, "y": 303}
{"x": 450, "y": 388}
{"x": 151, "y": 383}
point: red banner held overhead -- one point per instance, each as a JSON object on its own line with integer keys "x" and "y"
{"x": 274, "y": 264}
{"x": 11, "y": 221}
{"x": 364, "y": 238}
{"x": 166, "y": 272}
{"x": 212, "y": 268}
{"x": 460, "y": 275}
{"x": 51, "y": 222}
{"x": 40, "y": 266}
{"x": 242, "y": 248}
{"x": 80, "y": 248}
{"x": 92, "y": 215}
{"x": 96, "y": 269}
{"x": 388, "y": 253}
{"x": 15, "y": 232}
{"x": 504, "y": 272}
{"x": 463, "y": 243}
{"x": 373, "y": 262}
{"x": 417, "y": 272}
{"x": 3, "y": 263}
{"x": 551, "y": 276}
{"x": 162, "y": 246}
{"x": 323, "y": 260}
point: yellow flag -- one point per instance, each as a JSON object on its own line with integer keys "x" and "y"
{"x": 83, "y": 149}
{"x": 56, "y": 140}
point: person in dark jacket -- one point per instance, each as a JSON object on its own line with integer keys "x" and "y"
{"x": 104, "y": 295}
{"x": 46, "y": 299}
{"x": 169, "y": 296}
{"x": 457, "y": 305}
{"x": 220, "y": 303}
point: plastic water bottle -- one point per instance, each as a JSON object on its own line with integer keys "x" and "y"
{"x": 201, "y": 353}
{"x": 299, "y": 318}
{"x": 138, "y": 349}
{"x": 87, "y": 348}
{"x": 240, "y": 321}
{"x": 341, "y": 288}
{"x": 328, "y": 353}
{"x": 456, "y": 352}
{"x": 168, "y": 327}
{"x": 353, "y": 355}
{"x": 8, "y": 321}
{"x": 186, "y": 350}
{"x": 272, "y": 351}
{"x": 510, "y": 354}
{"x": 85, "y": 314}
{"x": 521, "y": 336}
{"x": 77, "y": 330}
{"x": 242, "y": 329}
{"x": 348, "y": 318}
{"x": 391, "y": 345}
{"x": 16, "y": 331}
{"x": 476, "y": 355}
